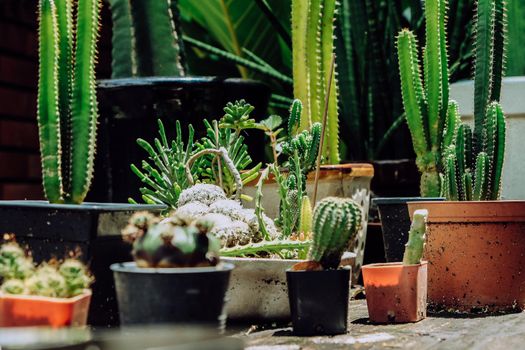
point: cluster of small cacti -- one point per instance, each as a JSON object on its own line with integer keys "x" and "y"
{"x": 52, "y": 279}
{"x": 146, "y": 39}
{"x": 171, "y": 242}
{"x": 473, "y": 163}
{"x": 336, "y": 221}
{"x": 67, "y": 103}
{"x": 313, "y": 48}
{"x": 416, "y": 238}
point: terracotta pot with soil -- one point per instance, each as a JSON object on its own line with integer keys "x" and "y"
{"x": 476, "y": 255}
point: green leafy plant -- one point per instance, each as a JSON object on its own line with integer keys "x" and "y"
{"x": 67, "y": 105}
{"x": 474, "y": 163}
{"x": 416, "y": 238}
{"x": 146, "y": 39}
{"x": 426, "y": 105}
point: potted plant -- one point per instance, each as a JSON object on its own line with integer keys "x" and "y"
{"x": 178, "y": 259}
{"x": 427, "y": 109}
{"x": 52, "y": 294}
{"x": 397, "y": 292}
{"x": 473, "y": 231}
{"x": 319, "y": 291}
{"x": 150, "y": 80}
{"x": 67, "y": 121}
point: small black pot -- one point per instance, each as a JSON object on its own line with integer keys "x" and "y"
{"x": 319, "y": 301}
{"x": 93, "y": 229}
{"x": 395, "y": 224}
{"x": 171, "y": 295}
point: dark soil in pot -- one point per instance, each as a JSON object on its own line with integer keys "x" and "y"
{"x": 172, "y": 295}
{"x": 395, "y": 223}
{"x": 319, "y": 301}
{"x": 129, "y": 109}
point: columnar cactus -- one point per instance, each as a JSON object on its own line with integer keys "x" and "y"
{"x": 146, "y": 39}
{"x": 313, "y": 47}
{"x": 67, "y": 104}
{"x": 474, "y": 163}
{"x": 416, "y": 238}
{"x": 426, "y": 102}
{"x": 336, "y": 221}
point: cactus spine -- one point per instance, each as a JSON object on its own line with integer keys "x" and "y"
{"x": 426, "y": 105}
{"x": 67, "y": 105}
{"x": 416, "y": 238}
{"x": 474, "y": 163}
{"x": 146, "y": 39}
{"x": 335, "y": 222}
{"x": 313, "y": 47}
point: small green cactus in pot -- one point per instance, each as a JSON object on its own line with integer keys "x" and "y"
{"x": 416, "y": 238}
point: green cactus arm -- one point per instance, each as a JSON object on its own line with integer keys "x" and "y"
{"x": 299, "y": 53}
{"x": 272, "y": 247}
{"x": 259, "y": 210}
{"x": 156, "y": 41}
{"x": 499, "y": 154}
{"x": 500, "y": 44}
{"x": 433, "y": 69}
{"x": 467, "y": 186}
{"x": 48, "y": 110}
{"x": 451, "y": 178}
{"x": 305, "y": 220}
{"x": 489, "y": 141}
{"x": 451, "y": 125}
{"x": 313, "y": 59}
{"x": 123, "y": 54}
{"x": 462, "y": 148}
{"x": 416, "y": 238}
{"x": 313, "y": 147}
{"x": 483, "y": 70}
{"x": 443, "y": 6}
{"x": 412, "y": 91}
{"x": 331, "y": 142}
{"x": 480, "y": 177}
{"x": 294, "y": 119}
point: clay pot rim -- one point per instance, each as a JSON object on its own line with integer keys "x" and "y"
{"x": 392, "y": 265}
{"x": 86, "y": 293}
{"x": 472, "y": 211}
{"x": 233, "y": 259}
{"x": 344, "y": 269}
{"x": 132, "y": 268}
{"x": 404, "y": 200}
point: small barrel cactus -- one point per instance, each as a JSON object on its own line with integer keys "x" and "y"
{"x": 416, "y": 238}
{"x": 336, "y": 221}
{"x": 46, "y": 282}
{"x": 172, "y": 242}
{"x": 14, "y": 263}
{"x": 76, "y": 276}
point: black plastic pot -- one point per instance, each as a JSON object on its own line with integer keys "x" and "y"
{"x": 395, "y": 224}
{"x": 319, "y": 301}
{"x": 171, "y": 295}
{"x": 53, "y": 230}
{"x": 129, "y": 109}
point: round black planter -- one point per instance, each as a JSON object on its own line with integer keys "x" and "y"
{"x": 171, "y": 295}
{"x": 129, "y": 109}
{"x": 319, "y": 301}
{"x": 395, "y": 224}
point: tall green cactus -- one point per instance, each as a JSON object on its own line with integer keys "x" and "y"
{"x": 67, "y": 106}
{"x": 313, "y": 47}
{"x": 474, "y": 164}
{"x": 146, "y": 39}
{"x": 426, "y": 101}
{"x": 335, "y": 222}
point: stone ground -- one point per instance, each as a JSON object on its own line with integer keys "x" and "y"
{"x": 506, "y": 332}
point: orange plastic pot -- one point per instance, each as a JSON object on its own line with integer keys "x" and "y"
{"x": 396, "y": 293}
{"x": 476, "y": 255}
{"x": 30, "y": 310}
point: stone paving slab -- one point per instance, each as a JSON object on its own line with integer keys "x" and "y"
{"x": 506, "y": 332}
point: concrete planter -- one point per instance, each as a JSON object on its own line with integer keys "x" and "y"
{"x": 343, "y": 180}
{"x": 513, "y": 103}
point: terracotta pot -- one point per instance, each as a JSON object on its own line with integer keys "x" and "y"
{"x": 396, "y": 293}
{"x": 476, "y": 255}
{"x": 30, "y": 310}
{"x": 342, "y": 180}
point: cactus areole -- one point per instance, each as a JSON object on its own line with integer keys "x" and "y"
{"x": 67, "y": 105}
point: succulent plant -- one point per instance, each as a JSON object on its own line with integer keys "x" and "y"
{"x": 14, "y": 263}
{"x": 313, "y": 47}
{"x": 13, "y": 286}
{"x": 76, "y": 276}
{"x": 146, "y": 39}
{"x": 336, "y": 221}
{"x": 416, "y": 238}
{"x": 67, "y": 104}
{"x": 46, "y": 282}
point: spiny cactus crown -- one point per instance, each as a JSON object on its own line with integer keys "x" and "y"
{"x": 336, "y": 221}
{"x": 67, "y": 104}
{"x": 313, "y": 47}
{"x": 146, "y": 39}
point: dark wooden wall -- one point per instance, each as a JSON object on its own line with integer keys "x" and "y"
{"x": 19, "y": 155}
